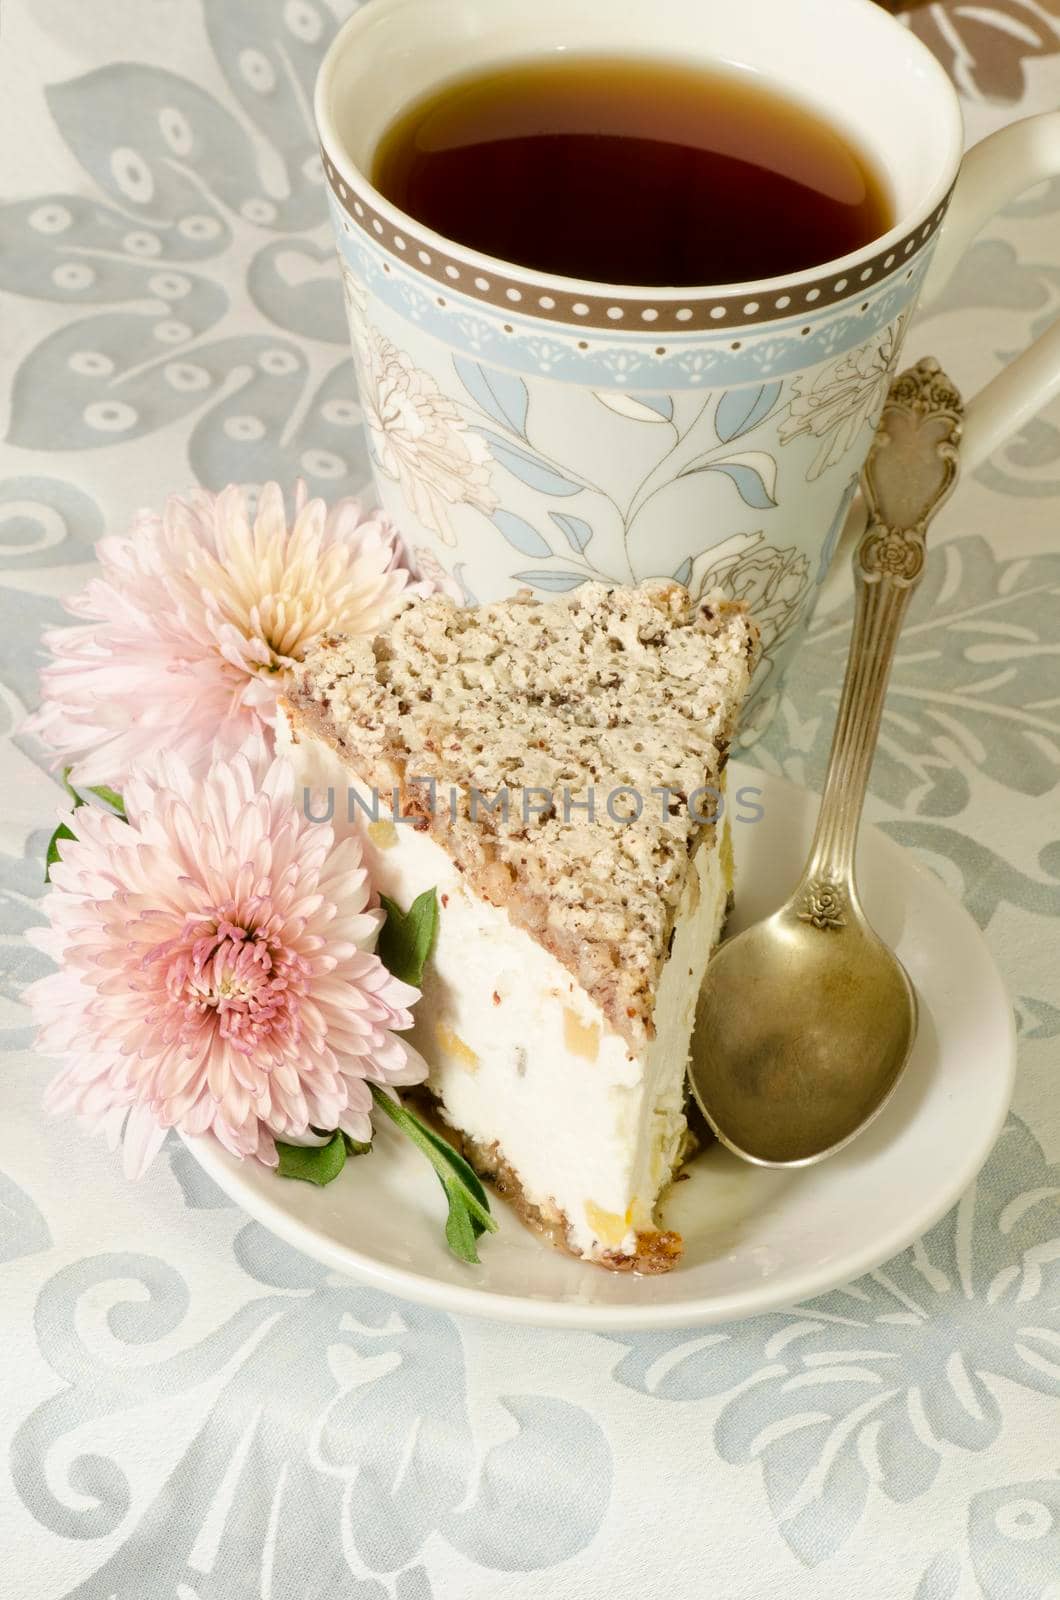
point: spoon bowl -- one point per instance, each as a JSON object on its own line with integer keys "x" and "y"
{"x": 800, "y": 1040}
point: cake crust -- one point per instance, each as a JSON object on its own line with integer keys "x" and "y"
{"x": 610, "y": 691}
{"x": 658, "y": 1249}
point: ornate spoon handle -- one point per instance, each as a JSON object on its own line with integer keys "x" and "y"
{"x": 910, "y": 471}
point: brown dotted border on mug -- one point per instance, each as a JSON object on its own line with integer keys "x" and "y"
{"x": 610, "y": 312}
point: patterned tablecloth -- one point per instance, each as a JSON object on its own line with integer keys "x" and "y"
{"x": 189, "y": 1410}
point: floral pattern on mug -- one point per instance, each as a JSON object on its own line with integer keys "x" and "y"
{"x": 418, "y": 437}
{"x": 451, "y": 584}
{"x": 354, "y": 294}
{"x": 584, "y": 482}
{"x": 773, "y": 583}
{"x": 832, "y": 405}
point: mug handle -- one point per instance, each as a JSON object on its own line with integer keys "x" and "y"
{"x": 993, "y": 172}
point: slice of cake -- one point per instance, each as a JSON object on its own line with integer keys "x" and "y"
{"x": 557, "y": 768}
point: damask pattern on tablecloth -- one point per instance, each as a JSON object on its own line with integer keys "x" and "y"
{"x": 336, "y": 1398}
{"x": 203, "y": 1414}
{"x": 177, "y": 240}
{"x": 985, "y": 48}
{"x": 862, "y": 1391}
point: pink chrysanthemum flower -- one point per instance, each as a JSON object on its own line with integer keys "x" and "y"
{"x": 198, "y": 615}
{"x": 216, "y": 964}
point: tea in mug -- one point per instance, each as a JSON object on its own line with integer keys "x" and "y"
{"x": 632, "y": 171}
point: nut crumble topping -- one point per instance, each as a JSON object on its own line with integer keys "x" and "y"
{"x": 604, "y": 689}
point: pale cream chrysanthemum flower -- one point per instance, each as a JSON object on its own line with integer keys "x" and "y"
{"x": 196, "y": 618}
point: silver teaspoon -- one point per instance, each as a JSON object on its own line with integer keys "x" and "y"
{"x": 806, "y": 1020}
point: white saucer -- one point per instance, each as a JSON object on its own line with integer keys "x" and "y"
{"x": 755, "y": 1239}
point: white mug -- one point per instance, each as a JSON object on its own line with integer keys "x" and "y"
{"x": 533, "y": 430}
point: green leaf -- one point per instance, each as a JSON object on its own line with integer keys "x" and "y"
{"x": 110, "y": 797}
{"x": 54, "y": 853}
{"x": 319, "y": 1163}
{"x": 463, "y": 1174}
{"x": 469, "y": 1208}
{"x": 407, "y": 937}
{"x": 460, "y": 1231}
{"x": 354, "y": 1147}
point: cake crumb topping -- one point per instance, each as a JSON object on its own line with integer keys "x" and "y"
{"x": 599, "y": 715}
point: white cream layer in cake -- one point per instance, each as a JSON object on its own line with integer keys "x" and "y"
{"x": 520, "y": 1056}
